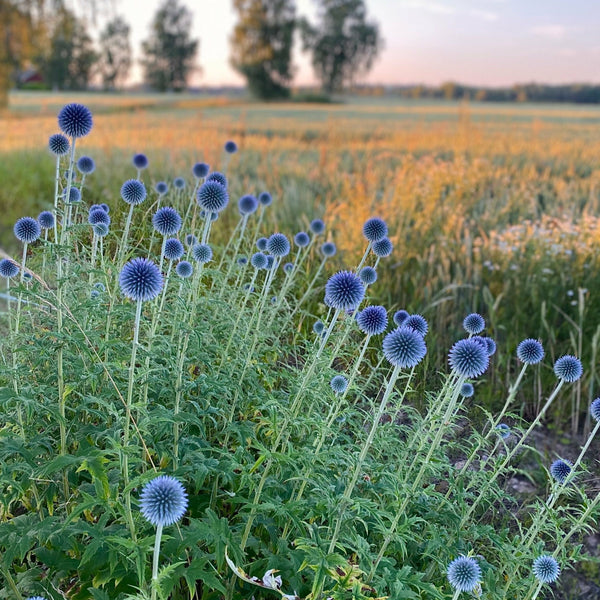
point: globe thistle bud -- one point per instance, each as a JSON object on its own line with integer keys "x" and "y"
{"x": 200, "y": 170}
{"x": 75, "y": 120}
{"x": 568, "y": 368}
{"x": 140, "y": 161}
{"x": 58, "y": 144}
{"x": 375, "y": 229}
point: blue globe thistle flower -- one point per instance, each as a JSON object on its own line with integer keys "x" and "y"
{"x": 46, "y": 219}
{"x": 133, "y": 192}
{"x": 75, "y": 120}
{"x": 339, "y": 384}
{"x": 265, "y": 198}
{"x": 190, "y": 239}
{"x": 261, "y": 243}
{"x": 595, "y": 409}
{"x": 259, "y": 260}
{"x": 382, "y": 248}
{"x": 218, "y": 177}
{"x": 530, "y": 352}
{"x": 344, "y": 290}
{"x": 179, "y": 183}
{"x": 474, "y": 323}
{"x": 184, "y": 269}
{"x": 400, "y": 316}
{"x": 100, "y": 229}
{"x": 302, "y": 239}
{"x": 503, "y": 430}
{"x": 99, "y": 286}
{"x": 247, "y": 204}
{"x": 212, "y": 196}
{"x": 230, "y": 147}
{"x": 375, "y": 229}
{"x": 202, "y": 253}
{"x": 273, "y": 299}
{"x": 74, "y": 196}
{"x": 288, "y": 267}
{"x": 173, "y": 249}
{"x": 27, "y": 276}
{"x": 464, "y": 574}
{"x": 140, "y": 161}
{"x": 568, "y": 368}
{"x": 98, "y": 216}
{"x": 163, "y": 501}
{"x": 404, "y": 347}
{"x": 318, "y": 327}
{"x": 328, "y": 249}
{"x": 278, "y": 245}
{"x": 372, "y": 320}
{"x": 86, "y": 165}
{"x": 418, "y": 323}
{"x": 491, "y": 345}
{"x": 270, "y": 262}
{"x": 94, "y": 207}
{"x": 468, "y": 358}
{"x": 8, "y": 269}
{"x": 27, "y": 230}
{"x": 467, "y": 390}
{"x": 368, "y": 275}
{"x": 480, "y": 340}
{"x": 105, "y": 207}
{"x": 161, "y": 188}
{"x": 36, "y": 598}
{"x": 140, "y": 279}
{"x": 59, "y": 145}
{"x": 94, "y": 294}
{"x": 241, "y": 261}
{"x": 214, "y": 216}
{"x": 166, "y": 220}
{"x": 317, "y": 226}
{"x": 546, "y": 569}
{"x": 200, "y": 170}
{"x": 560, "y": 470}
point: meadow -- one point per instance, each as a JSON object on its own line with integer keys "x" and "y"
{"x": 367, "y": 489}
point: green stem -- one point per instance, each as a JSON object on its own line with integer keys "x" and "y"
{"x": 155, "y": 558}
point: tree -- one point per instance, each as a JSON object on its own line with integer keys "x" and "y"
{"x": 115, "y": 53}
{"x": 261, "y": 45}
{"x": 169, "y": 51}
{"x": 344, "y": 43}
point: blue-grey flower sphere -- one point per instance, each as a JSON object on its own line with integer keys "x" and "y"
{"x": 368, "y": 275}
{"x": 261, "y": 243}
{"x": 94, "y": 294}
{"x": 166, "y": 220}
{"x": 46, "y": 219}
{"x": 400, "y": 316}
{"x": 212, "y": 196}
{"x": 140, "y": 161}
{"x": 173, "y": 249}
{"x": 247, "y": 204}
{"x": 202, "y": 253}
{"x": 179, "y": 183}
{"x": 86, "y": 165}
{"x": 163, "y": 501}
{"x": 140, "y": 279}
{"x": 530, "y": 352}
{"x": 270, "y": 262}
{"x": 328, "y": 249}
{"x": 375, "y": 229}
{"x": 278, "y": 245}
{"x": 344, "y": 290}
{"x": 491, "y": 345}
{"x": 595, "y": 409}
{"x": 94, "y": 207}
{"x": 467, "y": 390}
{"x": 474, "y": 323}
{"x": 133, "y": 192}
{"x": 468, "y": 358}
{"x": 59, "y": 145}
{"x": 200, "y": 170}
{"x": 161, "y": 187}
{"x": 560, "y": 470}
{"x": 99, "y": 286}
{"x": 288, "y": 267}
{"x": 98, "y": 216}
{"x": 382, "y": 248}
{"x": 230, "y": 147}
{"x": 184, "y": 269}
{"x": 8, "y": 269}
{"x": 100, "y": 229}
{"x": 265, "y": 198}
{"x": 27, "y": 230}
{"x": 318, "y": 326}
{"x": 464, "y": 574}
{"x": 105, "y": 207}
{"x": 75, "y": 120}
{"x": 568, "y": 368}
{"x": 301, "y": 239}
{"x": 546, "y": 569}
{"x": 190, "y": 239}
{"x": 339, "y": 384}
{"x": 503, "y": 430}
{"x": 218, "y": 177}
{"x": 317, "y": 226}
{"x": 258, "y": 260}
{"x": 372, "y": 320}
{"x": 241, "y": 261}
{"x": 74, "y": 196}
{"x": 404, "y": 347}
{"x": 418, "y": 323}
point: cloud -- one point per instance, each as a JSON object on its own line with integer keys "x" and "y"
{"x": 486, "y": 15}
{"x": 430, "y": 6}
{"x": 555, "y": 32}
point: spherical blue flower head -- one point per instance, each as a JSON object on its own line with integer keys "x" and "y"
{"x": 75, "y": 120}
{"x": 328, "y": 249}
{"x": 231, "y": 147}
{"x": 568, "y": 368}
{"x": 247, "y": 204}
{"x": 270, "y": 262}
{"x": 560, "y": 470}
{"x": 46, "y": 219}
{"x": 140, "y": 161}
{"x": 200, "y": 170}
{"x": 94, "y": 207}
{"x": 339, "y": 384}
{"x": 59, "y": 144}
{"x": 261, "y": 243}
{"x": 259, "y": 260}
{"x": 8, "y": 268}
{"x": 100, "y": 229}
{"x": 288, "y": 267}
{"x": 530, "y": 352}
{"x": 503, "y": 430}
{"x": 302, "y": 239}
{"x": 173, "y": 249}
{"x": 179, "y": 183}
{"x": 404, "y": 347}
{"x": 212, "y": 196}
{"x": 375, "y": 229}
{"x": 86, "y": 165}
{"x": 94, "y": 294}
{"x": 274, "y": 300}
{"x": 491, "y": 345}
{"x": 265, "y": 198}
{"x": 464, "y": 574}
{"x": 595, "y": 409}
{"x": 467, "y": 390}
{"x": 344, "y": 290}
{"x": 318, "y": 327}
{"x": 241, "y": 261}
{"x": 480, "y": 340}
{"x": 190, "y": 239}
{"x": 133, "y": 192}
{"x": 546, "y": 569}
{"x": 140, "y": 279}
{"x": 368, "y": 275}
{"x": 184, "y": 269}
{"x": 214, "y": 216}
{"x": 167, "y": 221}
{"x": 372, "y": 320}
{"x": 278, "y": 245}
{"x": 202, "y": 253}
{"x": 98, "y": 216}
{"x": 163, "y": 501}
{"x": 161, "y": 188}
{"x": 105, "y": 207}
{"x": 382, "y": 248}
{"x": 27, "y": 230}
{"x": 418, "y": 323}
{"x": 469, "y": 358}
{"x": 74, "y": 196}
{"x": 400, "y": 316}
{"x": 218, "y": 177}
{"x": 100, "y": 286}
{"x": 27, "y": 276}
{"x": 474, "y": 323}
{"x": 317, "y": 226}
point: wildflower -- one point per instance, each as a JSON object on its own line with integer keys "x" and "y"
{"x": 218, "y": 177}
{"x": 231, "y": 147}
{"x": 467, "y": 390}
{"x": 318, "y": 326}
{"x": 265, "y": 198}
{"x": 166, "y": 221}
{"x": 328, "y": 249}
{"x": 382, "y": 248}
{"x": 133, "y": 192}
{"x": 75, "y": 120}
{"x": 27, "y": 230}
{"x": 46, "y": 219}
{"x": 173, "y": 249}
{"x": 58, "y": 144}
{"x": 163, "y": 501}
{"x": 474, "y": 323}
{"x": 546, "y": 569}
{"x": 261, "y": 243}
{"x": 400, "y": 316}
{"x": 490, "y": 345}
{"x": 258, "y": 260}
{"x": 317, "y": 226}
{"x": 372, "y": 320}
{"x": 344, "y": 290}
{"x": 100, "y": 229}
{"x": 179, "y": 183}
{"x": 301, "y": 239}
{"x": 568, "y": 368}
{"x": 241, "y": 261}
{"x": 140, "y": 161}
{"x": 418, "y": 323}
{"x": 8, "y": 269}
{"x": 202, "y": 253}
{"x": 503, "y": 430}
{"x": 74, "y": 196}
{"x": 278, "y": 245}
{"x": 212, "y": 196}
{"x": 140, "y": 280}
{"x": 86, "y": 165}
{"x": 98, "y": 216}
{"x": 288, "y": 267}
{"x": 404, "y": 347}
{"x": 99, "y": 286}
{"x": 161, "y": 188}
{"x": 530, "y": 352}
{"x": 595, "y": 409}
{"x": 190, "y": 239}
{"x": 375, "y": 229}
{"x": 464, "y": 574}
{"x": 247, "y": 204}
{"x": 468, "y": 358}
{"x": 560, "y": 470}
{"x": 368, "y": 275}
{"x": 184, "y": 269}
{"x": 200, "y": 170}
{"x": 339, "y": 384}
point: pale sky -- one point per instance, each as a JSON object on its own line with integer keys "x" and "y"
{"x": 480, "y": 42}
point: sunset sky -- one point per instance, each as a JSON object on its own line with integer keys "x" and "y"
{"x": 481, "y": 42}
